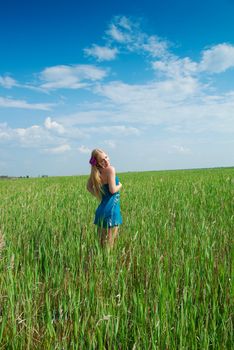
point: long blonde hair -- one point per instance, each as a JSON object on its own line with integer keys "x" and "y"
{"x": 95, "y": 177}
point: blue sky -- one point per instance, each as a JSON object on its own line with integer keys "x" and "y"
{"x": 150, "y": 82}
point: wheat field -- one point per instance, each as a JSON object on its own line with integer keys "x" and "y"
{"x": 165, "y": 285}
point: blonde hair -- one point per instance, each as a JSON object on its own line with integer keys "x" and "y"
{"x": 95, "y": 177}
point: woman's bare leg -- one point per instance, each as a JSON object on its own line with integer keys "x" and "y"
{"x": 112, "y": 236}
{"x": 116, "y": 232}
{"x": 102, "y": 233}
{"x": 108, "y": 237}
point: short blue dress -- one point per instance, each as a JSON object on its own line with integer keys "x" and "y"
{"x": 108, "y": 212}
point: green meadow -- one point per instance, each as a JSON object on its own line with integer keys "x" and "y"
{"x": 165, "y": 285}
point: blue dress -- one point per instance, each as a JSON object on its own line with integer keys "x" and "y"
{"x": 108, "y": 212}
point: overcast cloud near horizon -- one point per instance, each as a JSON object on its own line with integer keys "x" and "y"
{"x": 153, "y": 96}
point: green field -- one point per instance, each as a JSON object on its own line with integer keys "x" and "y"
{"x": 165, "y": 285}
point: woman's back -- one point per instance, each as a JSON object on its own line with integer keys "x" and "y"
{"x": 106, "y": 194}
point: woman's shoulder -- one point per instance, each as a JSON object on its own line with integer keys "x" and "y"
{"x": 110, "y": 170}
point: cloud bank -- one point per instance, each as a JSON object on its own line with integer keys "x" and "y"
{"x": 179, "y": 98}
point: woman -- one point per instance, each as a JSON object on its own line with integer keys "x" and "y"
{"x": 104, "y": 184}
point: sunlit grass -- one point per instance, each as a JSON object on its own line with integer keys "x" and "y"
{"x": 165, "y": 285}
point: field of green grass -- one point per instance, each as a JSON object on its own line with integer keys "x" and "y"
{"x": 165, "y": 285}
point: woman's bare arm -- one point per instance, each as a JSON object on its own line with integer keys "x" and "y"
{"x": 113, "y": 188}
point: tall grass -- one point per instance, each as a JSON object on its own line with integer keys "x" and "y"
{"x": 165, "y": 285}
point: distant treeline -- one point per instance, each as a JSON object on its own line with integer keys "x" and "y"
{"x": 6, "y": 177}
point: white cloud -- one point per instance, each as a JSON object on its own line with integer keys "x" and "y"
{"x": 4, "y": 135}
{"x": 182, "y": 105}
{"x": 150, "y": 97}
{"x": 84, "y": 149}
{"x": 4, "y": 132}
{"x": 12, "y": 103}
{"x": 53, "y": 125}
{"x": 117, "y": 34}
{"x": 110, "y": 143}
{"x": 124, "y": 22}
{"x": 116, "y": 130}
{"x": 95, "y": 114}
{"x": 175, "y": 67}
{"x": 70, "y": 77}
{"x": 102, "y": 53}
{"x": 58, "y": 150}
{"x": 217, "y": 59}
{"x": 155, "y": 46}
{"x": 128, "y": 34}
{"x": 126, "y": 31}
{"x": 7, "y": 82}
{"x": 34, "y": 136}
